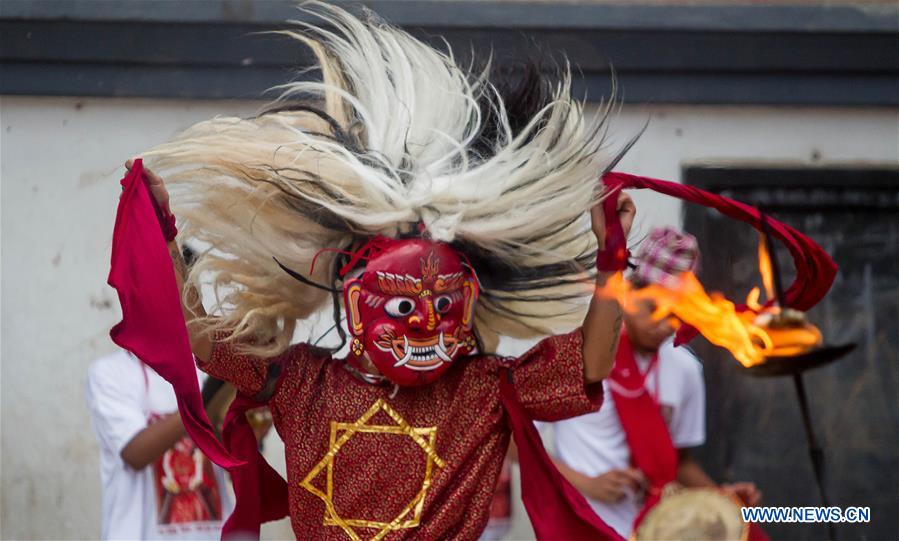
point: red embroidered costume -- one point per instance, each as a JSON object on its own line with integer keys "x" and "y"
{"x": 377, "y": 475}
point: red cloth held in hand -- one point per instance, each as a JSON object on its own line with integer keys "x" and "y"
{"x": 614, "y": 255}
{"x": 152, "y": 325}
{"x": 153, "y": 328}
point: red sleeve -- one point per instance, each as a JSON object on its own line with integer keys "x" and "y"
{"x": 263, "y": 379}
{"x": 247, "y": 373}
{"x": 550, "y": 379}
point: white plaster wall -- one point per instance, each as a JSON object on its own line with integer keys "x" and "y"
{"x": 60, "y": 163}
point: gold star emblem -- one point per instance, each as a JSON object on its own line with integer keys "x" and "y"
{"x": 426, "y": 438}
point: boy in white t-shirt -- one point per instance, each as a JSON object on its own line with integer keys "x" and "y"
{"x": 156, "y": 483}
{"x": 592, "y": 451}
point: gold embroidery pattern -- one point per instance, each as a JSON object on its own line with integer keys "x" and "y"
{"x": 426, "y": 438}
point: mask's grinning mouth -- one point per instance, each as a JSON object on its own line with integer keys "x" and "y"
{"x": 423, "y": 354}
{"x": 434, "y": 353}
{"x": 420, "y": 357}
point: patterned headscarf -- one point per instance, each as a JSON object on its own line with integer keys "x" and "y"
{"x": 664, "y": 256}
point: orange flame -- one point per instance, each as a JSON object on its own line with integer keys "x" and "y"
{"x": 751, "y": 335}
{"x": 765, "y": 269}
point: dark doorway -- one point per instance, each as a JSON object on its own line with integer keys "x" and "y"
{"x": 754, "y": 426}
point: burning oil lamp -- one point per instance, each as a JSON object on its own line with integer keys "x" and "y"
{"x": 798, "y": 362}
{"x": 769, "y": 340}
{"x": 789, "y": 361}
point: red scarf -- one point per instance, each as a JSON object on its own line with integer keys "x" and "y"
{"x": 153, "y": 328}
{"x": 652, "y": 450}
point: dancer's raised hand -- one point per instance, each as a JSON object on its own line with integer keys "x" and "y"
{"x": 626, "y": 209}
{"x": 160, "y": 197}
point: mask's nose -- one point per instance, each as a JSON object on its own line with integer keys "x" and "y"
{"x": 415, "y": 321}
{"x": 425, "y": 316}
{"x": 433, "y": 316}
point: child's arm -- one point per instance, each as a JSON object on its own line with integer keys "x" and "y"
{"x": 152, "y": 442}
{"x": 610, "y": 487}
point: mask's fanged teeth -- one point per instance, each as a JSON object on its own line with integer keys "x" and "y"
{"x": 407, "y": 353}
{"x": 441, "y": 349}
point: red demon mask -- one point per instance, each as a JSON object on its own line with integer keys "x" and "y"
{"x": 412, "y": 309}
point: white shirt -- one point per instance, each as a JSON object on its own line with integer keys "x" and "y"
{"x": 595, "y": 443}
{"x": 123, "y": 398}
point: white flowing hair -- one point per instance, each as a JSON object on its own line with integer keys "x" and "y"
{"x": 395, "y": 139}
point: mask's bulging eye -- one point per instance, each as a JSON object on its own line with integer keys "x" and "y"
{"x": 443, "y": 304}
{"x": 399, "y": 306}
